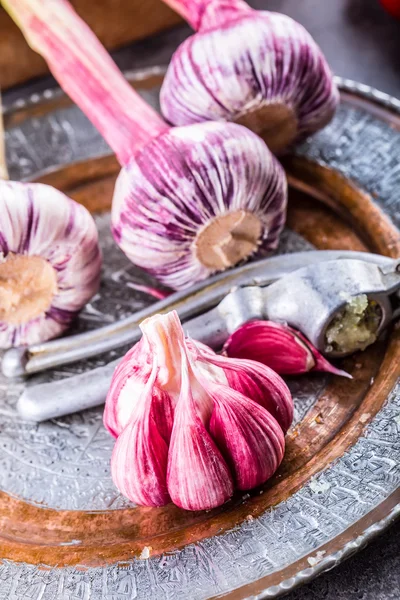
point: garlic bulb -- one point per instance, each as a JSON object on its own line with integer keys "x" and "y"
{"x": 189, "y": 201}
{"x": 50, "y": 262}
{"x": 280, "y": 347}
{"x": 198, "y": 200}
{"x": 255, "y": 68}
{"x": 192, "y": 426}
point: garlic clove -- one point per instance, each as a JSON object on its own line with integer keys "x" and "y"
{"x": 259, "y": 69}
{"x": 198, "y": 477}
{"x": 127, "y": 385}
{"x": 278, "y": 346}
{"x": 272, "y": 344}
{"x": 249, "y": 438}
{"x": 140, "y": 455}
{"x": 265, "y": 387}
{"x": 258, "y": 382}
{"x": 50, "y": 262}
{"x": 131, "y": 376}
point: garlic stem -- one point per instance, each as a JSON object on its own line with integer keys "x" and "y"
{"x": 3, "y": 161}
{"x": 201, "y": 15}
{"x": 165, "y": 338}
{"x": 87, "y": 73}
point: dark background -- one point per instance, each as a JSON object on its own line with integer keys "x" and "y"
{"x": 361, "y": 42}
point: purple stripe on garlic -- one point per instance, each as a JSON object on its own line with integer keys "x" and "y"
{"x": 50, "y": 262}
{"x": 191, "y": 426}
{"x": 259, "y": 69}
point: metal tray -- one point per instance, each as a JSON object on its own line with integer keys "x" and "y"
{"x": 65, "y": 532}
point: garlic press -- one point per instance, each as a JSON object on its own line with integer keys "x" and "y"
{"x": 307, "y": 290}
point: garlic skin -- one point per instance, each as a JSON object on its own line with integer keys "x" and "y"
{"x": 186, "y": 433}
{"x": 189, "y": 201}
{"x": 171, "y": 195}
{"x": 278, "y": 346}
{"x": 260, "y": 69}
{"x": 50, "y": 262}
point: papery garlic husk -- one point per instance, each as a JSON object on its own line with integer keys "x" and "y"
{"x": 189, "y": 201}
{"x": 256, "y": 68}
{"x": 171, "y": 402}
{"x": 278, "y": 346}
{"x": 50, "y": 262}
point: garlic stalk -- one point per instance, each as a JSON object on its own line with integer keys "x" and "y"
{"x": 192, "y": 426}
{"x": 278, "y": 346}
{"x": 50, "y": 260}
{"x": 189, "y": 201}
{"x": 256, "y": 68}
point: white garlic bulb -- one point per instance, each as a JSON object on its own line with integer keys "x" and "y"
{"x": 255, "y": 68}
{"x": 50, "y": 262}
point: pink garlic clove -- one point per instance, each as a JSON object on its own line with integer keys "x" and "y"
{"x": 248, "y": 436}
{"x": 256, "y": 68}
{"x": 280, "y": 347}
{"x": 127, "y": 385}
{"x": 131, "y": 376}
{"x": 198, "y": 477}
{"x": 258, "y": 382}
{"x": 265, "y": 387}
{"x": 50, "y": 262}
{"x": 140, "y": 455}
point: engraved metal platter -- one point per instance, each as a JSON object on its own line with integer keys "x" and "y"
{"x": 66, "y": 533}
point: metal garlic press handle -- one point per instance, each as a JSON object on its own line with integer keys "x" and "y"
{"x": 63, "y": 397}
{"x": 189, "y": 304}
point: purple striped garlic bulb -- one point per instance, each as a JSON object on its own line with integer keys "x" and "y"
{"x": 190, "y": 201}
{"x": 192, "y": 426}
{"x": 50, "y": 262}
{"x": 256, "y": 68}
{"x": 226, "y": 201}
{"x": 278, "y": 346}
